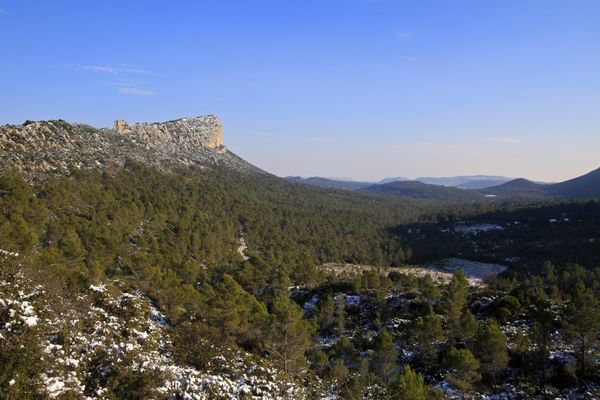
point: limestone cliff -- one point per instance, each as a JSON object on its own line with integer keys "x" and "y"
{"x": 43, "y": 147}
{"x": 189, "y": 133}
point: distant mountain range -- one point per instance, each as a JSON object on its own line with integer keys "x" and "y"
{"x": 518, "y": 188}
{"x": 582, "y": 187}
{"x": 422, "y": 190}
{"x": 329, "y": 183}
{"x": 390, "y": 180}
{"x": 468, "y": 188}
{"x": 466, "y": 182}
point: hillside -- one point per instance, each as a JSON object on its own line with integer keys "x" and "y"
{"x": 57, "y": 342}
{"x": 121, "y": 271}
{"x": 421, "y": 190}
{"x": 469, "y": 188}
{"x": 517, "y": 188}
{"x": 479, "y": 184}
{"x": 177, "y": 177}
{"x": 392, "y": 179}
{"x": 328, "y": 183}
{"x": 582, "y": 187}
{"x": 586, "y": 186}
{"x": 42, "y": 147}
{"x": 111, "y": 209}
{"x": 465, "y": 181}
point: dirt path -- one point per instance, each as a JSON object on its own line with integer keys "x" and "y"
{"x": 243, "y": 247}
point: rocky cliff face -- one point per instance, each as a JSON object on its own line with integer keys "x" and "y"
{"x": 185, "y": 133}
{"x": 37, "y": 148}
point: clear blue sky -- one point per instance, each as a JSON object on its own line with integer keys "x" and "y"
{"x": 350, "y": 88}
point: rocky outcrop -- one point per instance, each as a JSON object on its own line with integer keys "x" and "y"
{"x": 184, "y": 133}
{"x": 44, "y": 147}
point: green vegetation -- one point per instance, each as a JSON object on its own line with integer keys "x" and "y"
{"x": 174, "y": 237}
{"x": 463, "y": 368}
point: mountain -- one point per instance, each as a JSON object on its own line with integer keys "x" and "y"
{"x": 466, "y": 181}
{"x": 463, "y": 182}
{"x": 390, "y": 180}
{"x": 518, "y": 188}
{"x": 421, "y": 190}
{"x": 329, "y": 183}
{"x": 172, "y": 178}
{"x": 586, "y": 186}
{"x": 466, "y": 188}
{"x": 153, "y": 263}
{"x": 37, "y": 148}
{"x": 482, "y": 183}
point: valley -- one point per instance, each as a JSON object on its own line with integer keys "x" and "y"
{"x": 133, "y": 274}
{"x": 470, "y": 188}
{"x": 299, "y": 200}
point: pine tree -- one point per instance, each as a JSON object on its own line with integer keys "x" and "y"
{"x": 410, "y": 385}
{"x": 71, "y": 246}
{"x": 288, "y": 335}
{"x": 468, "y": 328}
{"x": 462, "y": 367}
{"x": 234, "y": 313}
{"x": 344, "y": 349}
{"x": 455, "y": 301}
{"x": 429, "y": 290}
{"x": 427, "y": 336}
{"x": 340, "y": 315}
{"x": 490, "y": 347}
{"x": 339, "y": 372}
{"x": 326, "y": 316}
{"x": 582, "y": 325}
{"x": 319, "y": 362}
{"x": 541, "y": 332}
{"x": 384, "y": 359}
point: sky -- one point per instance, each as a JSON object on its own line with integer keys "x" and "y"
{"x": 361, "y": 89}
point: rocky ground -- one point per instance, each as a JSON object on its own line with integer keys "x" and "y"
{"x": 110, "y": 329}
{"x": 43, "y": 147}
{"x": 440, "y": 271}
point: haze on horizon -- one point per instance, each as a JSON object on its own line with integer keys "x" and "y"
{"x": 364, "y": 89}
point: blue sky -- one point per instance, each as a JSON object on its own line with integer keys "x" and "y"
{"x": 354, "y": 88}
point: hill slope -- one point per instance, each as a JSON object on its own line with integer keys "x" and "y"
{"x": 518, "y": 188}
{"x": 392, "y": 179}
{"x": 421, "y": 190}
{"x": 37, "y": 148}
{"x": 465, "y": 181}
{"x": 479, "y": 184}
{"x": 586, "y": 186}
{"x": 328, "y": 183}
{"x": 469, "y": 188}
{"x": 582, "y": 187}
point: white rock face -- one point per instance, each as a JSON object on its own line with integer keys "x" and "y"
{"x": 55, "y": 147}
{"x": 185, "y": 133}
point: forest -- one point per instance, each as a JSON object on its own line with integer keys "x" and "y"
{"x": 378, "y": 333}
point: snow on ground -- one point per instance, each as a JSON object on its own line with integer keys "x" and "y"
{"x": 311, "y": 303}
{"x": 351, "y": 300}
{"x": 478, "y": 228}
{"x": 115, "y": 330}
{"x": 512, "y": 392}
{"x": 474, "y": 269}
{"x": 243, "y": 247}
{"x": 6, "y": 253}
